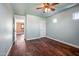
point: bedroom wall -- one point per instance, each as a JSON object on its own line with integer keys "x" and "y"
{"x": 35, "y": 27}
{"x": 64, "y": 28}
{"x": 6, "y": 21}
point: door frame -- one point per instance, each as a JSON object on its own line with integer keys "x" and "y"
{"x": 14, "y": 28}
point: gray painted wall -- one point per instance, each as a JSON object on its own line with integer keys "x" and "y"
{"x": 33, "y": 27}
{"x": 66, "y": 29}
{"x": 5, "y": 28}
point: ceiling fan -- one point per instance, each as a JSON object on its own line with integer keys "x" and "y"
{"x": 47, "y": 7}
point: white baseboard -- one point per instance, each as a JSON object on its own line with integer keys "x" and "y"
{"x": 9, "y": 50}
{"x": 73, "y": 45}
{"x": 33, "y": 38}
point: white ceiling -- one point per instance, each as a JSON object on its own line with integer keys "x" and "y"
{"x": 30, "y": 8}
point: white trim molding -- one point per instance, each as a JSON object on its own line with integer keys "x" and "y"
{"x": 73, "y": 45}
{"x": 34, "y": 38}
{"x": 9, "y": 50}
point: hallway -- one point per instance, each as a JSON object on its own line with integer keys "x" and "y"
{"x": 19, "y": 46}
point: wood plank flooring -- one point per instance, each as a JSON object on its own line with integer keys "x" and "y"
{"x": 42, "y": 47}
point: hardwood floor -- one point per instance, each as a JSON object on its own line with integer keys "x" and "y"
{"x": 42, "y": 47}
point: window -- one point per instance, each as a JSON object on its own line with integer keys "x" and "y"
{"x": 76, "y": 15}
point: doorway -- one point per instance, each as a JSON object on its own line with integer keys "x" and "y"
{"x": 19, "y": 28}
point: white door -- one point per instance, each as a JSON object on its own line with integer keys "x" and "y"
{"x": 42, "y": 29}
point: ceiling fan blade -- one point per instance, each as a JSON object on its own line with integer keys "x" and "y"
{"x": 52, "y": 9}
{"x": 39, "y": 8}
{"x": 46, "y": 4}
{"x": 54, "y": 4}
